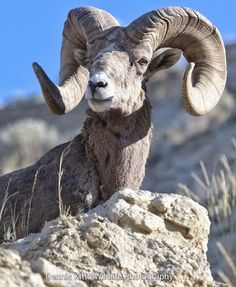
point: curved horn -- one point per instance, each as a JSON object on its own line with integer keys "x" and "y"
{"x": 202, "y": 46}
{"x": 83, "y": 25}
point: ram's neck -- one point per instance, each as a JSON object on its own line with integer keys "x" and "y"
{"x": 120, "y": 147}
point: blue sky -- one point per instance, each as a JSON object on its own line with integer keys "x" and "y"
{"x": 31, "y": 31}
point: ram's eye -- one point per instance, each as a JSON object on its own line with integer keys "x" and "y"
{"x": 143, "y": 62}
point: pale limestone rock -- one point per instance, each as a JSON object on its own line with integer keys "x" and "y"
{"x": 136, "y": 238}
{"x": 17, "y": 273}
{"x": 55, "y": 276}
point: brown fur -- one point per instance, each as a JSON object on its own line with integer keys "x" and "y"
{"x": 109, "y": 154}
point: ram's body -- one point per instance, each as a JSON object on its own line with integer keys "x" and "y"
{"x": 111, "y": 65}
{"x": 105, "y": 157}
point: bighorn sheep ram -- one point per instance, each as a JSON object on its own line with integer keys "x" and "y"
{"x": 110, "y": 64}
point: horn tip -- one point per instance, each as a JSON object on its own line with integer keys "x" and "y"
{"x": 37, "y": 68}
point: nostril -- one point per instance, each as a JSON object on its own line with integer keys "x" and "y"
{"x": 101, "y": 84}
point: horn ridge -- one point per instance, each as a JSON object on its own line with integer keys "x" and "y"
{"x": 201, "y": 43}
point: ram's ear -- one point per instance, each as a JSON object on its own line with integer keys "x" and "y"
{"x": 163, "y": 60}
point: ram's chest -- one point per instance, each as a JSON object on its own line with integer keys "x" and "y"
{"x": 120, "y": 161}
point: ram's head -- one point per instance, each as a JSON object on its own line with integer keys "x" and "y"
{"x": 109, "y": 63}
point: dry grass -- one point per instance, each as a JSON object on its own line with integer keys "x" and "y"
{"x": 9, "y": 232}
{"x": 230, "y": 263}
{"x": 220, "y": 200}
{"x": 63, "y": 210}
{"x": 5, "y": 199}
{"x": 224, "y": 278}
{"x": 220, "y": 193}
{"x": 30, "y": 202}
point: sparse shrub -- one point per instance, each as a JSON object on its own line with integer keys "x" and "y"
{"x": 24, "y": 142}
{"x": 220, "y": 200}
{"x": 219, "y": 193}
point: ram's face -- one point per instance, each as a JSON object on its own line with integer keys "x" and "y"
{"x": 116, "y": 74}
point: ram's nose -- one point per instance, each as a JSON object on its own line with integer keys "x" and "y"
{"x": 97, "y": 81}
{"x": 94, "y": 85}
{"x": 100, "y": 87}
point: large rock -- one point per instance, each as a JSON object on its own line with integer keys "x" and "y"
{"x": 14, "y": 272}
{"x": 133, "y": 239}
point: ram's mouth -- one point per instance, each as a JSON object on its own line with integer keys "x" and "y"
{"x": 100, "y": 105}
{"x": 101, "y": 101}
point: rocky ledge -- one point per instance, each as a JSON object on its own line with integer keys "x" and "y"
{"x": 133, "y": 239}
